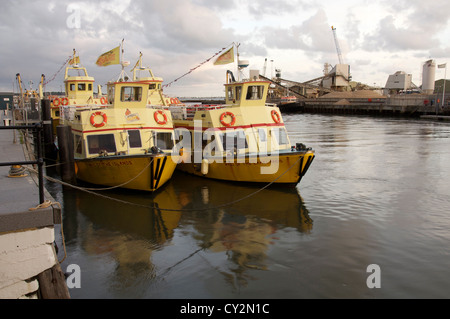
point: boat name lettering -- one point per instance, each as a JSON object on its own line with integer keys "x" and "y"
{"x": 110, "y": 163}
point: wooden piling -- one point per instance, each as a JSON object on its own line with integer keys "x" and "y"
{"x": 52, "y": 284}
{"x": 50, "y": 152}
{"x": 66, "y": 154}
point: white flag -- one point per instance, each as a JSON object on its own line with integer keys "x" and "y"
{"x": 441, "y": 66}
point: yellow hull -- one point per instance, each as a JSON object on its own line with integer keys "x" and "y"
{"x": 140, "y": 172}
{"x": 284, "y": 168}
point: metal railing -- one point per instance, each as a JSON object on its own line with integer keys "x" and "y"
{"x": 39, "y": 161}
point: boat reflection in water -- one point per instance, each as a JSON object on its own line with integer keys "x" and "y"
{"x": 240, "y": 233}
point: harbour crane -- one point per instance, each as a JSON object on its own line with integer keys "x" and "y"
{"x": 338, "y": 49}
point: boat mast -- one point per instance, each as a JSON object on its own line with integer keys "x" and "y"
{"x": 123, "y": 75}
{"x": 237, "y": 62}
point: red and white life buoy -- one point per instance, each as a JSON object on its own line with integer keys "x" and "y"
{"x": 226, "y": 114}
{"x": 156, "y": 117}
{"x": 65, "y": 101}
{"x": 276, "y": 116}
{"x": 100, "y": 124}
{"x": 56, "y": 101}
{"x": 103, "y": 100}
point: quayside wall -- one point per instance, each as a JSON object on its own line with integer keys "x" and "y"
{"x": 29, "y": 266}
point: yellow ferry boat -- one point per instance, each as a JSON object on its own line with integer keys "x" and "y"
{"x": 127, "y": 144}
{"x": 244, "y": 140}
{"x": 79, "y": 92}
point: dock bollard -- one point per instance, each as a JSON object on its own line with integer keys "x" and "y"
{"x": 17, "y": 171}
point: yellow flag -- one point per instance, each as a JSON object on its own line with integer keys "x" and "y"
{"x": 74, "y": 60}
{"x": 110, "y": 57}
{"x": 225, "y": 58}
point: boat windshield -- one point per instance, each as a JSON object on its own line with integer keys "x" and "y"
{"x": 131, "y": 94}
{"x": 163, "y": 140}
{"x": 255, "y": 92}
{"x": 102, "y": 142}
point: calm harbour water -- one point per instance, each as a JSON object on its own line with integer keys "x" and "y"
{"x": 378, "y": 192}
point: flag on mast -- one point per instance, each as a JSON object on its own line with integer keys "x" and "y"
{"x": 225, "y": 58}
{"x": 109, "y": 58}
{"x": 74, "y": 60}
{"x": 441, "y": 66}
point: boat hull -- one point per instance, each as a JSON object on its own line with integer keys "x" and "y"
{"x": 147, "y": 172}
{"x": 284, "y": 168}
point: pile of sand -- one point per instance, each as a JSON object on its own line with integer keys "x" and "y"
{"x": 362, "y": 94}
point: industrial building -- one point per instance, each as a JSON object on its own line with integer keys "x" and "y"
{"x": 399, "y": 81}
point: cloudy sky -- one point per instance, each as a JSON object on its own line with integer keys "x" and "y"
{"x": 377, "y": 38}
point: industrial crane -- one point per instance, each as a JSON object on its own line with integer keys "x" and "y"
{"x": 338, "y": 49}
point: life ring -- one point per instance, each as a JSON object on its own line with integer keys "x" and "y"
{"x": 103, "y": 100}
{"x": 102, "y": 123}
{"x": 155, "y": 115}
{"x": 275, "y": 116}
{"x": 64, "y": 101}
{"x": 233, "y": 119}
{"x": 56, "y": 101}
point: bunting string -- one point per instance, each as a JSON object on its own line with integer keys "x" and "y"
{"x": 54, "y": 75}
{"x": 198, "y": 66}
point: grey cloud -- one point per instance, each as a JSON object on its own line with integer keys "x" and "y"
{"x": 389, "y": 37}
{"x": 314, "y": 34}
{"x": 175, "y": 25}
{"x": 260, "y": 8}
{"x": 422, "y": 20}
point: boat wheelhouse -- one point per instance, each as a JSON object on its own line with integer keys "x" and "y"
{"x": 79, "y": 91}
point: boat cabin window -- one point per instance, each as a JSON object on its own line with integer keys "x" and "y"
{"x": 234, "y": 140}
{"x": 255, "y": 92}
{"x": 230, "y": 93}
{"x": 280, "y": 135}
{"x": 111, "y": 94}
{"x": 80, "y": 87}
{"x": 163, "y": 141}
{"x": 238, "y": 92}
{"x": 134, "y": 138}
{"x": 131, "y": 94}
{"x": 103, "y": 142}
{"x": 262, "y": 135}
{"x": 234, "y": 93}
{"x": 152, "y": 86}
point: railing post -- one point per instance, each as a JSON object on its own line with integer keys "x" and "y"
{"x": 40, "y": 163}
